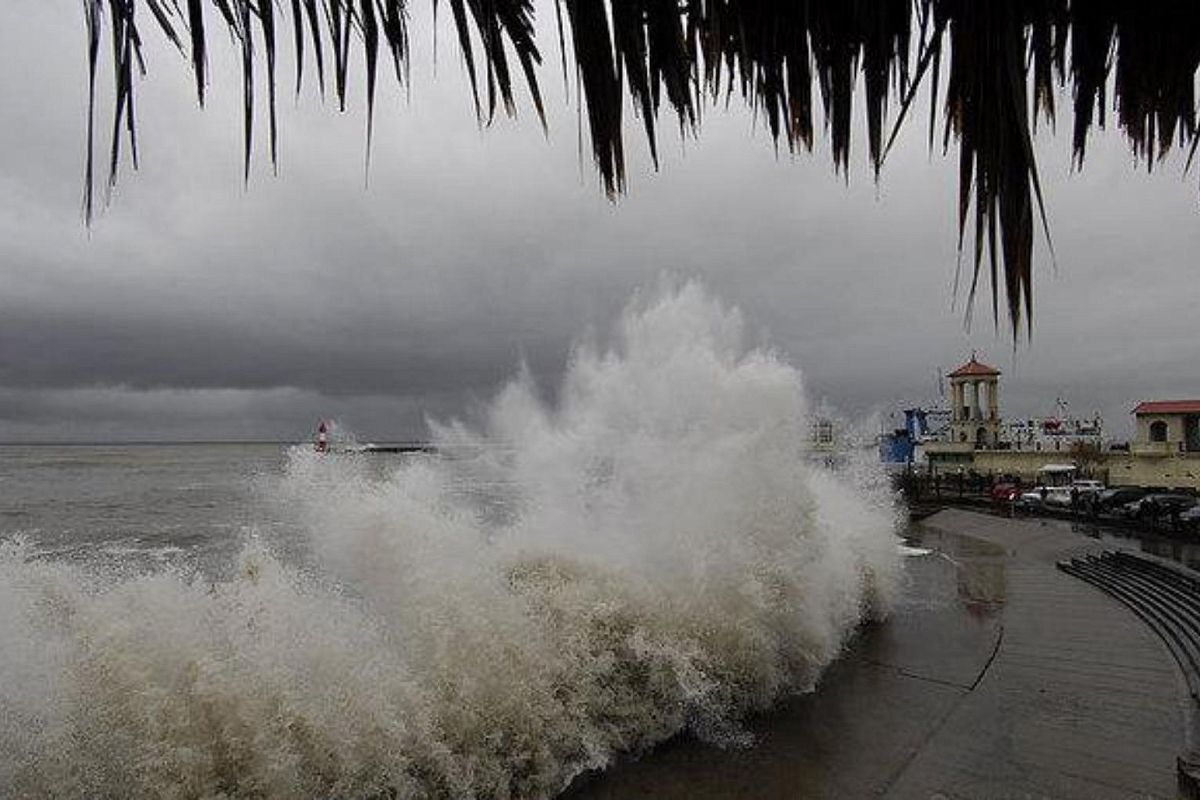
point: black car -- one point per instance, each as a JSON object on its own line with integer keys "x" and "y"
{"x": 1109, "y": 500}
{"x": 1163, "y": 507}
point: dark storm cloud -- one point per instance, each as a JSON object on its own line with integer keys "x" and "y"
{"x": 281, "y": 413}
{"x": 49, "y": 351}
{"x": 196, "y": 303}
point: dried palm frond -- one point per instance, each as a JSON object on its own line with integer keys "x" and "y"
{"x": 987, "y": 108}
{"x": 1004, "y": 58}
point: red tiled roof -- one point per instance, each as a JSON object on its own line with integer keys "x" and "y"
{"x": 971, "y": 368}
{"x": 1168, "y": 407}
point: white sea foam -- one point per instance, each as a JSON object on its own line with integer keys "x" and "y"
{"x": 652, "y": 554}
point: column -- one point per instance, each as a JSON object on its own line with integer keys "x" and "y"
{"x": 994, "y": 399}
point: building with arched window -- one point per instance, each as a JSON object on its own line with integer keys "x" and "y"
{"x": 1165, "y": 450}
{"x": 1167, "y": 427}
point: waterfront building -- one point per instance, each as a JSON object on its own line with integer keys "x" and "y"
{"x": 1167, "y": 427}
{"x": 1060, "y": 433}
{"x": 1166, "y": 448}
{"x": 826, "y": 440}
{"x": 975, "y": 404}
{"x": 1165, "y": 452}
{"x": 979, "y": 439}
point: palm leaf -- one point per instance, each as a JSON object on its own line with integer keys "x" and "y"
{"x": 1003, "y": 59}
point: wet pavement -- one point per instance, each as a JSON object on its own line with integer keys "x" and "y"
{"x": 996, "y": 677}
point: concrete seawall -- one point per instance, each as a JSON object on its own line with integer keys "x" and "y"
{"x": 999, "y": 676}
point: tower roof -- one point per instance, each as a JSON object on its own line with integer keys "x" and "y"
{"x": 973, "y": 368}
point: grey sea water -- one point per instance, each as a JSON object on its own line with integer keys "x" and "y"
{"x": 138, "y": 507}
{"x": 142, "y": 504}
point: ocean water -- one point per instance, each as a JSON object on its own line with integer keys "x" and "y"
{"x": 137, "y": 505}
{"x": 560, "y": 584}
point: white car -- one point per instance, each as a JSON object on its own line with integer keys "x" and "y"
{"x": 1058, "y": 496}
{"x": 1051, "y": 496}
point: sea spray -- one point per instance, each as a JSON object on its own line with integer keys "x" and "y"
{"x": 653, "y": 553}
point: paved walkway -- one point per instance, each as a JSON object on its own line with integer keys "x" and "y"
{"x": 1082, "y": 700}
{"x": 999, "y": 677}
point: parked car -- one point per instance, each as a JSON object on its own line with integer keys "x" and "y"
{"x": 1158, "y": 506}
{"x": 1005, "y": 492}
{"x": 1030, "y": 500}
{"x": 1189, "y": 518}
{"x": 1170, "y": 507}
{"x": 1110, "y": 500}
{"x": 1045, "y": 497}
{"x": 1088, "y": 487}
{"x": 1057, "y": 497}
{"x": 1132, "y": 509}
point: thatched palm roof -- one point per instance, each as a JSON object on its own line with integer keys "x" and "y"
{"x": 992, "y": 64}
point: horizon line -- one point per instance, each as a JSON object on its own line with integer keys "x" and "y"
{"x": 151, "y": 442}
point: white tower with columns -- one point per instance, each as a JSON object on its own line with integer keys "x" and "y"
{"x": 975, "y": 404}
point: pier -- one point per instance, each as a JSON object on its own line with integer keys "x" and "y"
{"x": 1000, "y": 675}
{"x": 405, "y": 448}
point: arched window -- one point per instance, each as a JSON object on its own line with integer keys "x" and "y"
{"x": 980, "y": 436}
{"x": 1158, "y": 431}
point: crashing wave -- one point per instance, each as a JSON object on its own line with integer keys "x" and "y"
{"x": 563, "y": 583}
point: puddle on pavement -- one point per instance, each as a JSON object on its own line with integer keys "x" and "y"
{"x": 976, "y": 570}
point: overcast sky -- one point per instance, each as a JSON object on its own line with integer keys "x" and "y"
{"x": 196, "y": 308}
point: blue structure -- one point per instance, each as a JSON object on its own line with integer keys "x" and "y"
{"x": 898, "y": 447}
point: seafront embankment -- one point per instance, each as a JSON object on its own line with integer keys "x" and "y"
{"x": 998, "y": 676}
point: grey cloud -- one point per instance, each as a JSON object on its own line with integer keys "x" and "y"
{"x": 420, "y": 289}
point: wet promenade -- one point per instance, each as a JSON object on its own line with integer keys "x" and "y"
{"x": 999, "y": 676}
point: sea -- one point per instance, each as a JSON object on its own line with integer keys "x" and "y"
{"x": 141, "y": 506}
